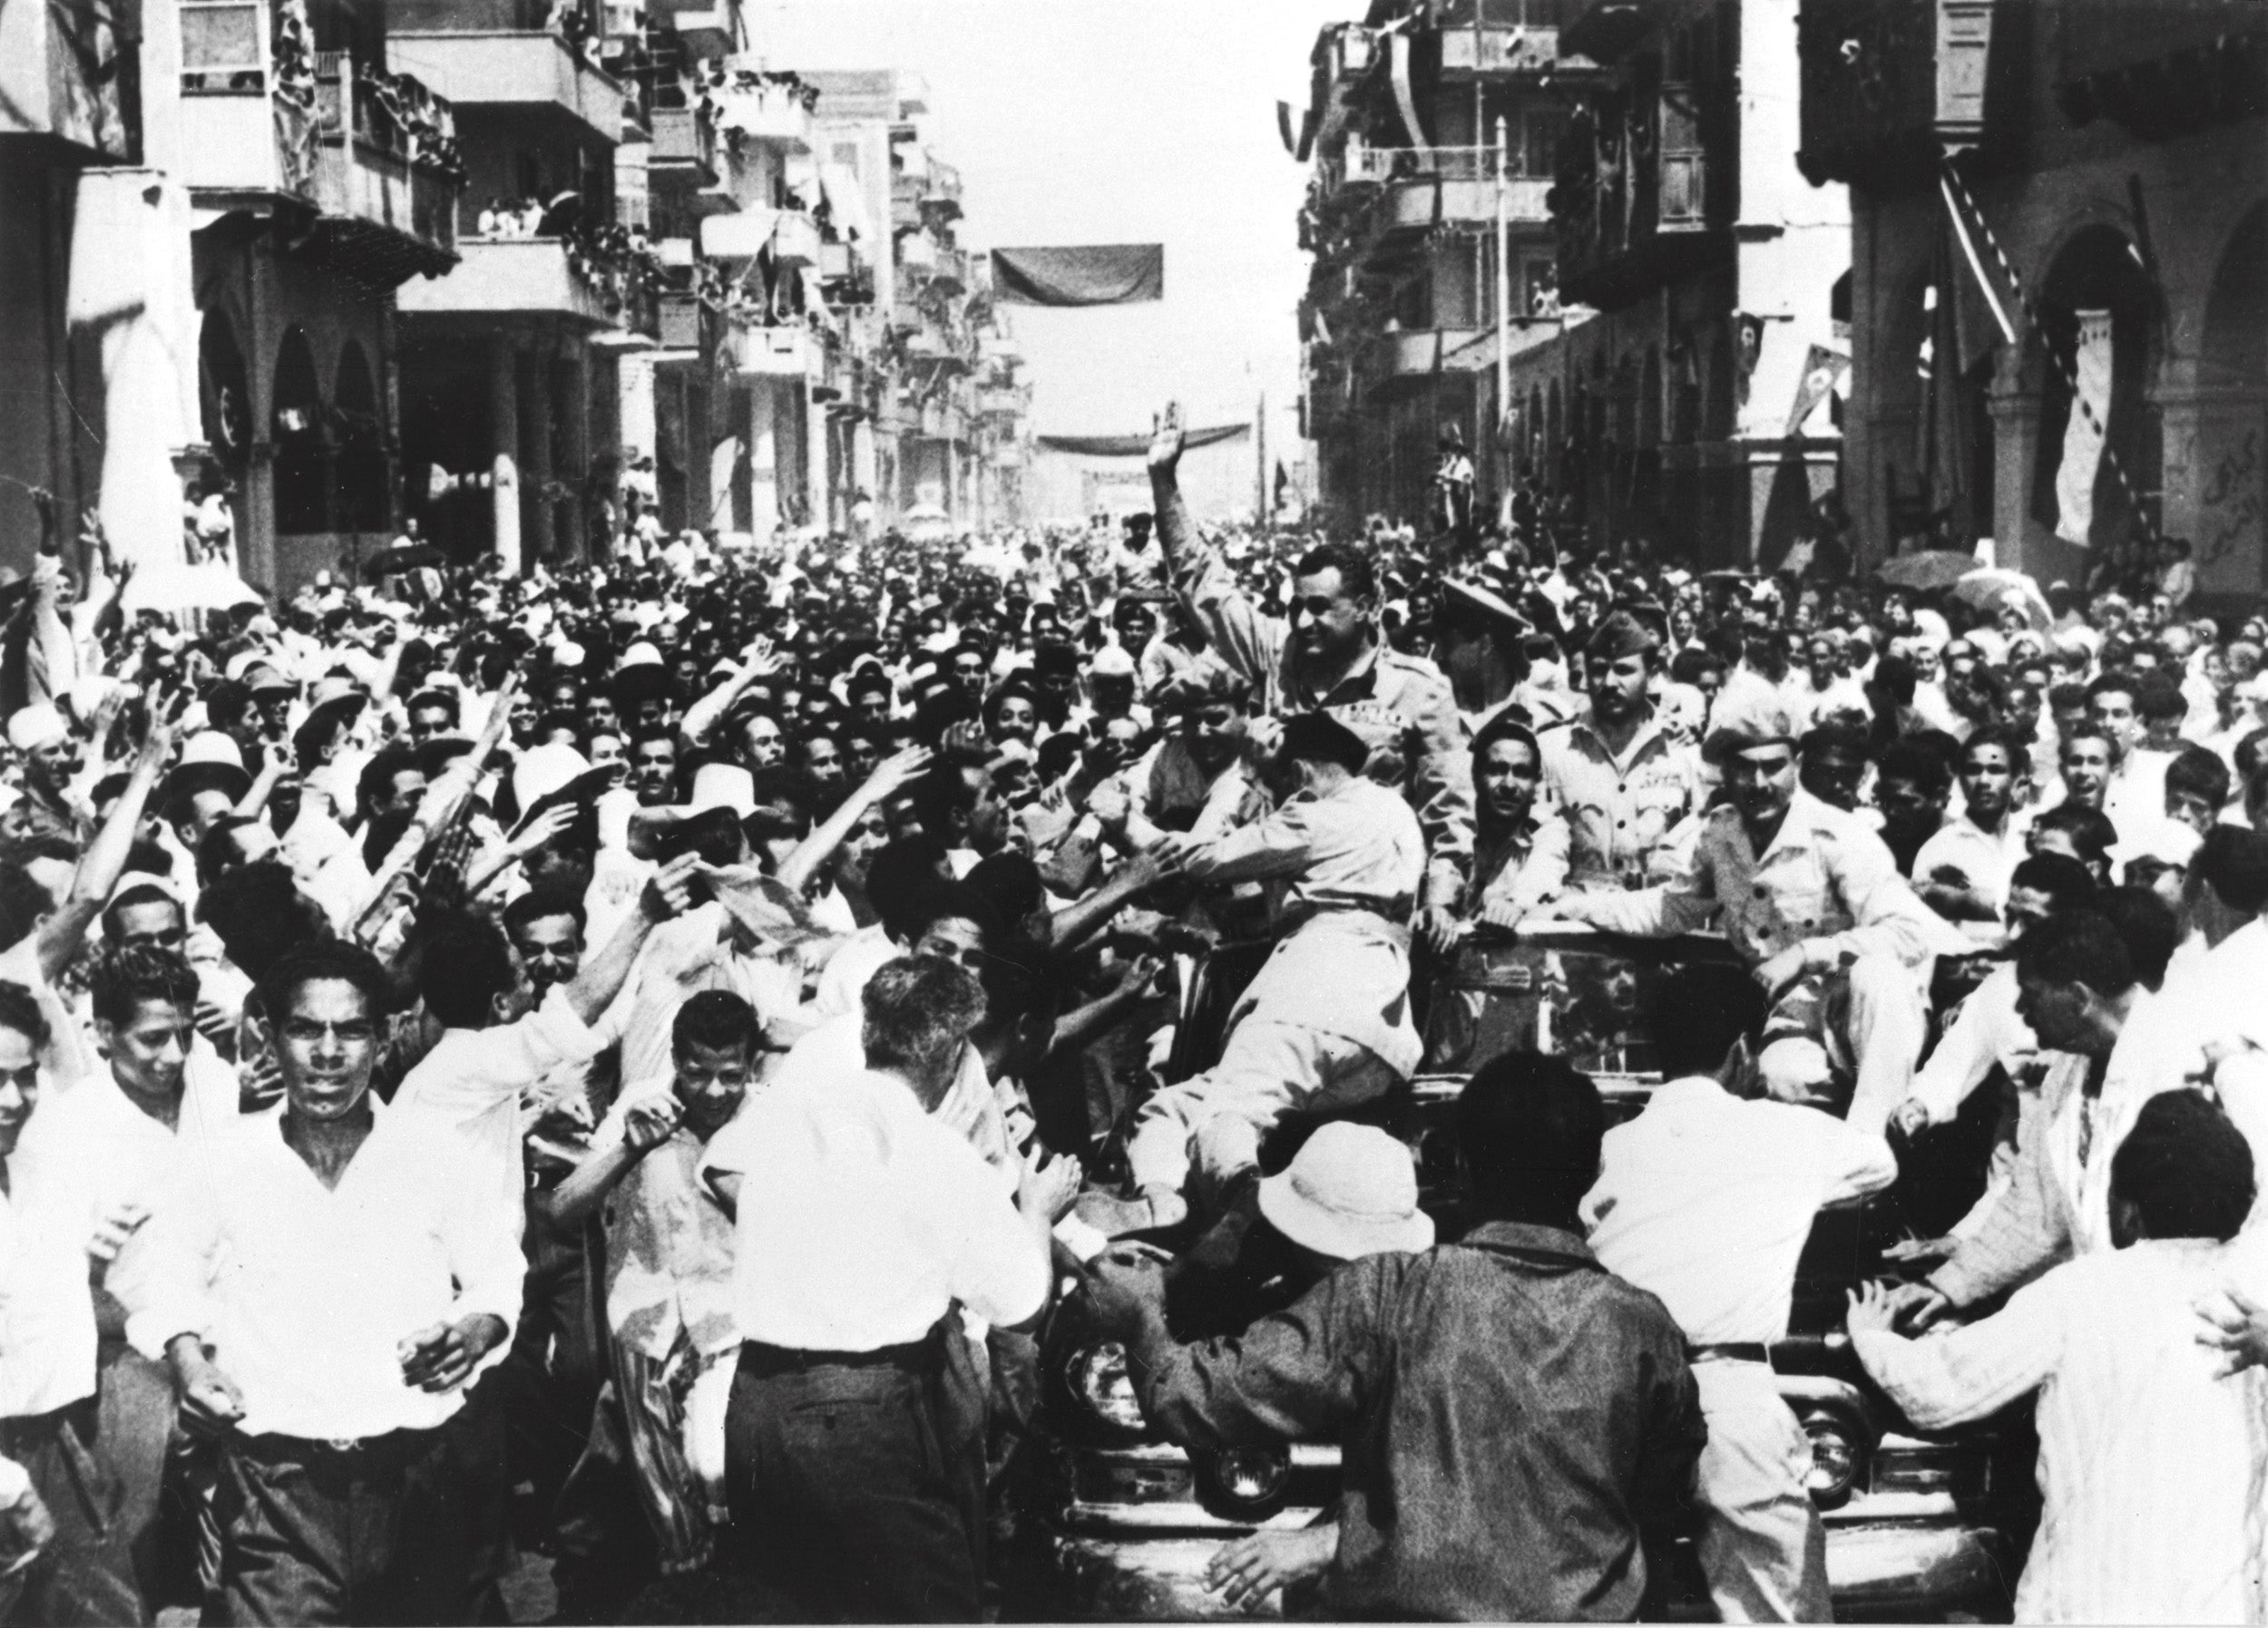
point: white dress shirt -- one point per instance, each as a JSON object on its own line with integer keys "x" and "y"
{"x": 2153, "y": 1472}
{"x": 83, "y": 1152}
{"x": 862, "y": 1219}
{"x": 306, "y": 1292}
{"x": 1707, "y": 1200}
{"x": 1986, "y": 859}
{"x": 699, "y": 950}
{"x": 470, "y": 1083}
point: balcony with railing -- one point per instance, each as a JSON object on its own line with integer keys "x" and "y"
{"x": 755, "y": 106}
{"x": 781, "y": 351}
{"x": 568, "y": 282}
{"x": 63, "y": 75}
{"x": 1415, "y": 188}
{"x": 680, "y": 322}
{"x": 373, "y": 154}
{"x": 683, "y": 151}
{"x": 534, "y": 71}
{"x": 1498, "y": 51}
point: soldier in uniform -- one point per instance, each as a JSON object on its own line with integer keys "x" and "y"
{"x": 1620, "y": 778}
{"x": 1325, "y": 1025}
{"x": 1331, "y": 656}
{"x": 1813, "y": 904}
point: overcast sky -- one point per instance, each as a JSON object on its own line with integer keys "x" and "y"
{"x": 1113, "y": 121}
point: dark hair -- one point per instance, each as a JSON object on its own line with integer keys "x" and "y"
{"x": 938, "y": 901}
{"x": 219, "y": 851}
{"x": 1354, "y": 565}
{"x": 2003, "y": 736}
{"x": 2062, "y": 697}
{"x": 259, "y": 913}
{"x": 467, "y": 965}
{"x": 899, "y": 869}
{"x": 375, "y": 784}
{"x": 549, "y": 898}
{"x": 1697, "y": 1013}
{"x": 1009, "y": 882}
{"x": 2077, "y": 946}
{"x": 1318, "y": 737}
{"x": 2065, "y": 880}
{"x": 319, "y": 960}
{"x": 22, "y": 901}
{"x": 19, "y": 1010}
{"x": 2201, "y": 774}
{"x": 2234, "y": 860}
{"x": 784, "y": 783}
{"x": 1530, "y": 1128}
{"x": 2161, "y": 701}
{"x": 2120, "y": 683}
{"x": 2089, "y": 829}
{"x": 2186, "y": 1167}
{"x": 715, "y": 1020}
{"x": 1913, "y": 758}
{"x": 1688, "y": 664}
{"x": 2150, "y": 929}
{"x": 126, "y": 975}
{"x": 1510, "y": 723}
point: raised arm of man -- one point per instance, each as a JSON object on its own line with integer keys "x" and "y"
{"x": 1252, "y": 644}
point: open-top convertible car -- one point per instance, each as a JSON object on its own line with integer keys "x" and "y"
{"x": 1112, "y": 1522}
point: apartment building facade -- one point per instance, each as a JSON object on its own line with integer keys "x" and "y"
{"x": 1427, "y": 121}
{"x": 1690, "y": 402}
{"x": 2107, "y": 168}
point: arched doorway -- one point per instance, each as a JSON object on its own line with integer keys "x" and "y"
{"x": 302, "y": 498}
{"x": 362, "y": 495}
{"x": 2095, "y": 293}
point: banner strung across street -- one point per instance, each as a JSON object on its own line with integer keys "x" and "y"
{"x": 1104, "y": 274}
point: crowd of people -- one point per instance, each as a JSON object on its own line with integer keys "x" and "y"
{"x": 622, "y": 1062}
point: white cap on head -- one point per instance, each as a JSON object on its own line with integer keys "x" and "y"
{"x": 1349, "y": 1191}
{"x": 211, "y": 746}
{"x": 723, "y": 785}
{"x": 639, "y": 654}
{"x": 36, "y": 726}
{"x": 543, "y": 770}
{"x": 1112, "y": 661}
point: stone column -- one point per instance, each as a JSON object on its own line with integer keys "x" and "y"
{"x": 575, "y": 421}
{"x": 535, "y": 448}
{"x": 504, "y": 435}
{"x": 2019, "y": 542}
{"x": 763, "y": 461}
{"x": 818, "y": 432}
{"x": 2215, "y": 492}
{"x": 865, "y": 472}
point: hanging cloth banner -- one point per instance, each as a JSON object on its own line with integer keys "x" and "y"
{"x": 2083, "y": 435}
{"x": 1136, "y": 446}
{"x": 1823, "y": 370}
{"x": 1108, "y": 274}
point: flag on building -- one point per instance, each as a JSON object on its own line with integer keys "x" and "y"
{"x": 1107, "y": 274}
{"x": 1823, "y": 370}
{"x": 2083, "y": 433}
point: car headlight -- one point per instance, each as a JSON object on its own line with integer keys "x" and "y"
{"x": 1099, "y": 1378}
{"x": 1248, "y": 1481}
{"x": 1837, "y": 1458}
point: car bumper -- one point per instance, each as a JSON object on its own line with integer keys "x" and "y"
{"x": 1876, "y": 1568}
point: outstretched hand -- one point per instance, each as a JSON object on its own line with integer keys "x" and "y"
{"x": 1166, "y": 442}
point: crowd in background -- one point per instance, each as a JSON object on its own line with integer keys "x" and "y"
{"x": 622, "y": 1061}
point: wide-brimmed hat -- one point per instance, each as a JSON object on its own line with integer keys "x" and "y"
{"x": 550, "y": 774}
{"x": 1349, "y": 1191}
{"x": 210, "y": 761}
